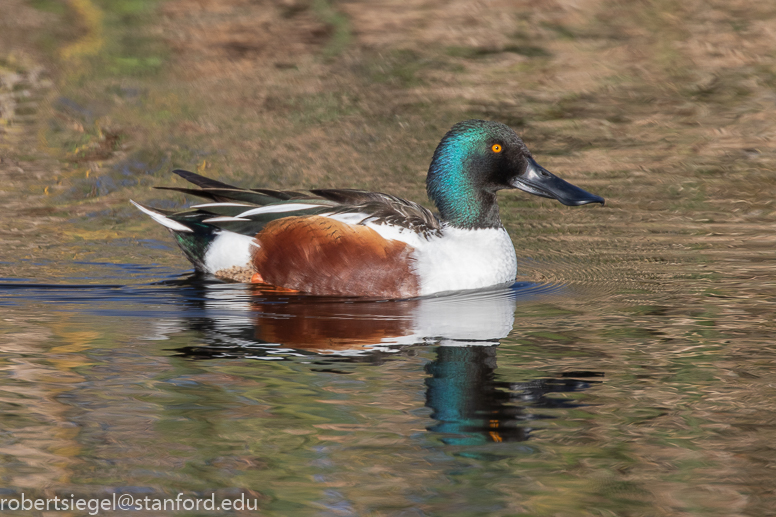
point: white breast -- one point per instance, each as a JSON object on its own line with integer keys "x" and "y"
{"x": 466, "y": 259}
{"x": 459, "y": 259}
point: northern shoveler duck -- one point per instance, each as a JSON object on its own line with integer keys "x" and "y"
{"x": 359, "y": 243}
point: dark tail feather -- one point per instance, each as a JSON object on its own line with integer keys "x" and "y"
{"x": 233, "y": 194}
{"x": 190, "y": 191}
{"x": 202, "y": 181}
{"x": 194, "y": 244}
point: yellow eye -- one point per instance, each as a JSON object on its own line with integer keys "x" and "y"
{"x": 496, "y": 148}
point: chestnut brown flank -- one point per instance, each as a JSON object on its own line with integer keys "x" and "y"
{"x": 322, "y": 256}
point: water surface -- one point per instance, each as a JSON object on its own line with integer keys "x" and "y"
{"x": 575, "y": 394}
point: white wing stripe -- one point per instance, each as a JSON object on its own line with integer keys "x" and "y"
{"x": 208, "y": 205}
{"x": 164, "y": 221}
{"x": 223, "y": 219}
{"x": 274, "y": 209}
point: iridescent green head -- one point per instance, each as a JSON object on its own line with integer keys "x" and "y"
{"x": 477, "y": 158}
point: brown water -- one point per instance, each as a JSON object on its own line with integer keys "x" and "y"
{"x": 629, "y": 371}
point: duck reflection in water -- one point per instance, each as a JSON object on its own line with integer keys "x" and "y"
{"x": 470, "y": 403}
